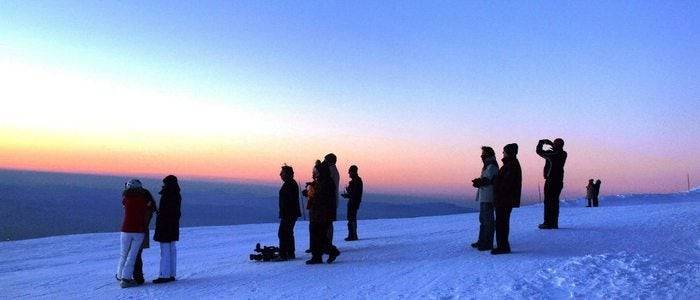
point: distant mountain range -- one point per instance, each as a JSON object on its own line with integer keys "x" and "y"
{"x": 39, "y": 204}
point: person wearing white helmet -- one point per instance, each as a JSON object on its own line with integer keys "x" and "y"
{"x": 135, "y": 200}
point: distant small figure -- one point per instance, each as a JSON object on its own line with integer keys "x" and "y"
{"x": 596, "y": 192}
{"x": 353, "y": 192}
{"x": 289, "y": 212}
{"x": 555, "y": 158}
{"x": 321, "y": 214}
{"x": 485, "y": 198}
{"x": 590, "y": 189}
{"x": 507, "y": 190}
{"x": 168, "y": 228}
{"x": 135, "y": 200}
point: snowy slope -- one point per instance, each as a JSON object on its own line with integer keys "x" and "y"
{"x": 647, "y": 247}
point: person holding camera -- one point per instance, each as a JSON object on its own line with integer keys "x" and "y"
{"x": 353, "y": 192}
{"x": 321, "y": 214}
{"x": 289, "y": 212}
{"x": 485, "y": 198}
{"x": 507, "y": 190}
{"x": 555, "y": 158}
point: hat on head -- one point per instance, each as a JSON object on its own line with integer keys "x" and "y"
{"x": 170, "y": 179}
{"x": 558, "y": 143}
{"x": 133, "y": 184}
{"x": 353, "y": 169}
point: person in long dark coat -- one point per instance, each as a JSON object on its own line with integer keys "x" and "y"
{"x": 168, "y": 228}
{"x": 321, "y": 214}
{"x": 555, "y": 159}
{"x": 507, "y": 190}
{"x": 589, "y": 192}
{"x": 289, "y": 212}
{"x": 596, "y": 192}
{"x": 353, "y": 193}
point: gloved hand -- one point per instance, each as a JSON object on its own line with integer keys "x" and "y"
{"x": 477, "y": 182}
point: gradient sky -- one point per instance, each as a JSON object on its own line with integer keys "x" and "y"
{"x": 407, "y": 90}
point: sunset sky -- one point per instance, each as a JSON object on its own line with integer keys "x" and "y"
{"x": 407, "y": 90}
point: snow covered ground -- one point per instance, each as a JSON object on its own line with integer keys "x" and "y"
{"x": 645, "y": 246}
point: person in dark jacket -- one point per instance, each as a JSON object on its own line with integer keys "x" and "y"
{"x": 507, "y": 189}
{"x": 589, "y": 192}
{"x": 138, "y": 265}
{"x": 136, "y": 207}
{"x": 353, "y": 192}
{"x": 168, "y": 228}
{"x": 321, "y": 214}
{"x": 289, "y": 212}
{"x": 555, "y": 158}
{"x": 596, "y": 192}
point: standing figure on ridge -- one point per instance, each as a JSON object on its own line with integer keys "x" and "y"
{"x": 590, "y": 188}
{"x": 332, "y": 159}
{"x": 168, "y": 228}
{"x": 353, "y": 192}
{"x": 555, "y": 158}
{"x": 289, "y": 212}
{"x": 507, "y": 189}
{"x": 136, "y": 208}
{"x": 485, "y": 198}
{"x": 596, "y": 192}
{"x": 321, "y": 213}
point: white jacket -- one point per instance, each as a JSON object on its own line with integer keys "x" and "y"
{"x": 486, "y": 192}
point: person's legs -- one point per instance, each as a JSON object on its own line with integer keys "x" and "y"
{"x": 292, "y": 242}
{"x": 125, "y": 242}
{"x": 500, "y": 227}
{"x": 317, "y": 234}
{"x": 595, "y": 202}
{"x": 165, "y": 262}
{"x": 135, "y": 241}
{"x": 556, "y": 192}
{"x": 138, "y": 267}
{"x": 547, "y": 203}
{"x": 282, "y": 237}
{"x": 329, "y": 232}
{"x": 486, "y": 227}
{"x": 173, "y": 259}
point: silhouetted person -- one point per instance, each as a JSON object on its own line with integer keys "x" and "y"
{"x": 555, "y": 158}
{"x": 507, "y": 189}
{"x": 136, "y": 208}
{"x": 332, "y": 159}
{"x": 168, "y": 228}
{"x": 596, "y": 192}
{"x": 485, "y": 198}
{"x": 321, "y": 214}
{"x": 289, "y": 212}
{"x": 353, "y": 192}
{"x": 310, "y": 191}
{"x": 138, "y": 264}
{"x": 590, "y": 190}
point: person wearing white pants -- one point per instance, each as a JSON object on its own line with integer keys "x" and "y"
{"x": 136, "y": 206}
{"x": 168, "y": 260}
{"x": 168, "y": 228}
{"x": 131, "y": 243}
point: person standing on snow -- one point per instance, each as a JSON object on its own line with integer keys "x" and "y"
{"x": 168, "y": 228}
{"x": 136, "y": 207}
{"x": 555, "y": 158}
{"x": 596, "y": 192}
{"x": 485, "y": 198}
{"x": 590, "y": 189}
{"x": 353, "y": 193}
{"x": 138, "y": 265}
{"x": 321, "y": 214}
{"x": 507, "y": 189}
{"x": 289, "y": 212}
{"x": 332, "y": 159}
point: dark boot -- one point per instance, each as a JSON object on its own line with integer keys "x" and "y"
{"x": 315, "y": 260}
{"x": 500, "y": 251}
{"x": 334, "y": 253}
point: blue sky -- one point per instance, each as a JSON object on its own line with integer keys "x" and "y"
{"x": 617, "y": 76}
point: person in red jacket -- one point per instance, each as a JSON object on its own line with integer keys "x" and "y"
{"x": 136, "y": 207}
